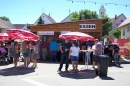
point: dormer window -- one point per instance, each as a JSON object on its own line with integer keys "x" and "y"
{"x": 102, "y": 13}
{"x": 122, "y": 20}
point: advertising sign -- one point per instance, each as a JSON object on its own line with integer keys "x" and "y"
{"x": 87, "y": 26}
{"x": 124, "y": 45}
{"x": 45, "y": 32}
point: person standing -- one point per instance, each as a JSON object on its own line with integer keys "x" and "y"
{"x": 64, "y": 48}
{"x": 83, "y": 47}
{"x": 26, "y": 53}
{"x": 74, "y": 56}
{"x": 54, "y": 49}
{"x": 106, "y": 49}
{"x": 44, "y": 50}
{"x": 116, "y": 54}
{"x": 111, "y": 47}
{"x": 35, "y": 54}
{"x": 15, "y": 53}
{"x": 98, "y": 51}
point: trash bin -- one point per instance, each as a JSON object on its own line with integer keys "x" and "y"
{"x": 102, "y": 64}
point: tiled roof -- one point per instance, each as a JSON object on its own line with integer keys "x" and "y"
{"x": 127, "y": 21}
{"x": 19, "y": 26}
{"x": 6, "y": 24}
{"x": 113, "y": 19}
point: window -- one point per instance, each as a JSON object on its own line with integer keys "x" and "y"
{"x": 123, "y": 33}
{"x": 102, "y": 13}
{"x": 122, "y": 20}
{"x": 128, "y": 29}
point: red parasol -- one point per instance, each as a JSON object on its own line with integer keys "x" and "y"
{"x": 25, "y": 35}
{"x": 4, "y": 37}
{"x": 76, "y": 36}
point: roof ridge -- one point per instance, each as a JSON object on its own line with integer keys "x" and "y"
{"x": 66, "y": 17}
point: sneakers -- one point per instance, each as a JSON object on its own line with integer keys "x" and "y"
{"x": 59, "y": 71}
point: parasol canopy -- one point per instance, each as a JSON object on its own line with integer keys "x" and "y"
{"x": 24, "y": 35}
{"x": 76, "y": 36}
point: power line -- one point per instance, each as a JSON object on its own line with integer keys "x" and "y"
{"x": 98, "y": 2}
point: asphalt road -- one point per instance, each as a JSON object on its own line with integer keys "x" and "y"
{"x": 46, "y": 75}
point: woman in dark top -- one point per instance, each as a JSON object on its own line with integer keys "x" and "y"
{"x": 106, "y": 49}
{"x": 83, "y": 47}
{"x": 110, "y": 47}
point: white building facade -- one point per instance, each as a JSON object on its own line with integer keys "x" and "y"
{"x": 102, "y": 11}
{"x": 118, "y": 20}
{"x": 47, "y": 19}
{"x": 125, "y": 29}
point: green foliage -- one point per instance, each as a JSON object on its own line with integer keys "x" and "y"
{"x": 116, "y": 33}
{"x": 5, "y": 18}
{"x": 107, "y": 27}
{"x": 83, "y": 15}
{"x": 40, "y": 21}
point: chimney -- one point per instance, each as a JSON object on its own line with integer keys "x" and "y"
{"x": 115, "y": 17}
{"x": 49, "y": 15}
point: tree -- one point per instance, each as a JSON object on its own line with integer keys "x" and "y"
{"x": 117, "y": 33}
{"x": 5, "y": 18}
{"x": 40, "y": 21}
{"x": 107, "y": 27}
{"x": 83, "y": 15}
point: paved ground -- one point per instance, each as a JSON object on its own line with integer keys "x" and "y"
{"x": 46, "y": 75}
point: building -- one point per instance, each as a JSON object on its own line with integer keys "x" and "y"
{"x": 92, "y": 27}
{"x": 67, "y": 19}
{"x": 22, "y": 26}
{"x": 5, "y": 25}
{"x": 118, "y": 20}
{"x": 46, "y": 18}
{"x": 102, "y": 11}
{"x": 125, "y": 29}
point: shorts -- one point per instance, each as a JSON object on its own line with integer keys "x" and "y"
{"x": 94, "y": 58}
{"x": 74, "y": 58}
{"x": 25, "y": 55}
{"x": 14, "y": 54}
{"x": 36, "y": 56}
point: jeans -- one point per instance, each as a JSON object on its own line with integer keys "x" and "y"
{"x": 88, "y": 56}
{"x": 53, "y": 55}
{"x": 64, "y": 57}
{"x": 116, "y": 58}
{"x": 44, "y": 53}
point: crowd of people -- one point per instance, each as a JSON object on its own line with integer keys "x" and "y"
{"x": 12, "y": 51}
{"x": 59, "y": 51}
{"x": 71, "y": 50}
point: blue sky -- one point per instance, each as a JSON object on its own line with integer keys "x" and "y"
{"x": 27, "y": 11}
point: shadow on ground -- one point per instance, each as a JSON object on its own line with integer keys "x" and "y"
{"x": 20, "y": 70}
{"x": 83, "y": 74}
{"x": 106, "y": 78}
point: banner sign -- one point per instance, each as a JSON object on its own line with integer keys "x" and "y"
{"x": 63, "y": 32}
{"x": 87, "y": 26}
{"x": 45, "y": 32}
{"x": 124, "y": 45}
